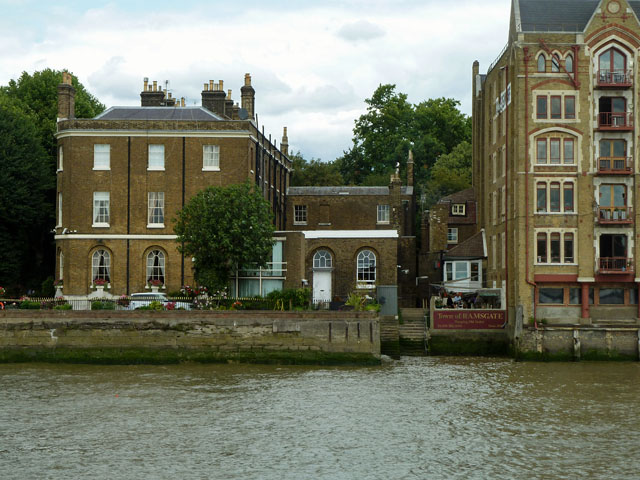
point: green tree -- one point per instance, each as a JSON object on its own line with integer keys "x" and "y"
{"x": 391, "y": 127}
{"x": 450, "y": 173}
{"x": 37, "y": 95}
{"x": 25, "y": 213}
{"x": 223, "y": 228}
{"x": 314, "y": 172}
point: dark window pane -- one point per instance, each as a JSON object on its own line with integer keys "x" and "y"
{"x": 555, "y": 248}
{"x": 542, "y": 107}
{"x": 554, "y": 197}
{"x": 568, "y": 248}
{"x": 611, "y": 296}
{"x": 633, "y": 296}
{"x": 541, "y": 197}
{"x": 542, "y": 248}
{"x": 541, "y": 146}
{"x": 568, "y": 151}
{"x": 551, "y": 296}
{"x": 554, "y": 150}
{"x": 569, "y": 107}
{"x": 568, "y": 197}
{"x": 556, "y": 107}
{"x": 575, "y": 295}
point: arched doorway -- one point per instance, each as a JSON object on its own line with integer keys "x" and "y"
{"x": 322, "y": 266}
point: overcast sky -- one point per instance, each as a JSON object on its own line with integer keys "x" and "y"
{"x": 313, "y": 63}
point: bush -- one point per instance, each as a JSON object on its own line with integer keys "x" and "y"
{"x": 290, "y": 298}
{"x": 46, "y": 288}
{"x": 29, "y": 305}
{"x": 64, "y": 306}
{"x": 103, "y": 305}
{"x": 155, "y": 305}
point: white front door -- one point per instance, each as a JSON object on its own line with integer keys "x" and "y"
{"x": 321, "y": 286}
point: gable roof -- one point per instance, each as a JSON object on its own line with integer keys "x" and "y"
{"x": 158, "y": 113}
{"x": 344, "y": 190}
{"x": 473, "y": 247}
{"x": 463, "y": 196}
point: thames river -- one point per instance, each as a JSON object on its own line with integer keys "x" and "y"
{"x": 416, "y": 418}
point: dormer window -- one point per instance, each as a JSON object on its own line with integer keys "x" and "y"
{"x": 458, "y": 209}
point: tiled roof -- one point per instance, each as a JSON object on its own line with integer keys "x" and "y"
{"x": 343, "y": 190}
{"x": 462, "y": 196}
{"x": 473, "y": 247}
{"x": 158, "y": 113}
{"x": 556, "y": 15}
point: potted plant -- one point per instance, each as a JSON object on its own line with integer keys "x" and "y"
{"x": 99, "y": 284}
{"x": 155, "y": 284}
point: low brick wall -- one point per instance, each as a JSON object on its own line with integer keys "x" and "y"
{"x": 147, "y": 336}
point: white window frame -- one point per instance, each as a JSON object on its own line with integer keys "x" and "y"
{"x": 155, "y": 200}
{"x": 101, "y": 156}
{"x": 383, "y": 214}
{"x": 101, "y": 200}
{"x": 365, "y": 277}
{"x": 60, "y": 158}
{"x": 562, "y": 182}
{"x": 299, "y": 214}
{"x": 322, "y": 260}
{"x": 59, "y": 224}
{"x": 458, "y": 209}
{"x": 156, "y": 157}
{"x": 452, "y": 235}
{"x": 562, "y": 232}
{"x": 211, "y": 158}
{"x": 156, "y": 266}
{"x": 101, "y": 265}
{"x": 454, "y": 268}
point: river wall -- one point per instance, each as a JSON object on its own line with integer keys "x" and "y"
{"x": 119, "y": 337}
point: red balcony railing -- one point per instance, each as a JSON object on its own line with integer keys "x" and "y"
{"x": 615, "y": 121}
{"x": 615, "y": 265}
{"x": 615, "y": 215}
{"x": 615, "y": 78}
{"x": 615, "y": 165}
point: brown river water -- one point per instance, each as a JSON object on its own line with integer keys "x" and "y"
{"x": 416, "y": 418}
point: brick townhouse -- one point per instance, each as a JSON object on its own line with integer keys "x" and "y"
{"x": 555, "y": 164}
{"x": 123, "y": 176}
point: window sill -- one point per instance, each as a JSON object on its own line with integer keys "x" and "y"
{"x": 384, "y": 223}
{"x": 101, "y": 169}
{"x": 155, "y": 225}
{"x": 556, "y": 213}
{"x": 299, "y": 223}
{"x": 324, "y": 224}
{"x": 365, "y": 286}
{"x": 556, "y": 264}
{"x": 210, "y": 169}
{"x": 155, "y": 169}
{"x": 59, "y": 170}
{"x": 100, "y": 225}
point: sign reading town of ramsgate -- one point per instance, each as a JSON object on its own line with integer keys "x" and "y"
{"x": 468, "y": 319}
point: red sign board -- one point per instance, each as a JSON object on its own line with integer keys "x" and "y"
{"x": 469, "y": 319}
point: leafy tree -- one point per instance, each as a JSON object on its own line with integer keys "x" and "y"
{"x": 25, "y": 212}
{"x": 451, "y": 173}
{"x": 38, "y": 97}
{"x": 314, "y": 172}
{"x": 391, "y": 127}
{"x": 223, "y": 228}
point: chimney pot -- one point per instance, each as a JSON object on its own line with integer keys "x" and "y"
{"x": 206, "y": 87}
{"x": 211, "y": 85}
{"x": 229, "y": 94}
{"x": 155, "y": 85}
{"x": 247, "y": 79}
{"x": 221, "y": 85}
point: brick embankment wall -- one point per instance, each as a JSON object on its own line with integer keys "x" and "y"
{"x": 170, "y": 337}
{"x": 579, "y": 343}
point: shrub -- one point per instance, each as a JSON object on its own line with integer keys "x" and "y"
{"x": 155, "y": 305}
{"x": 290, "y": 298}
{"x": 64, "y": 306}
{"x": 103, "y": 305}
{"x": 29, "y": 305}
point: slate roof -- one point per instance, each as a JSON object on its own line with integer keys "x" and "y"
{"x": 343, "y": 190}
{"x": 462, "y": 196}
{"x": 158, "y": 113}
{"x": 559, "y": 15}
{"x": 473, "y": 247}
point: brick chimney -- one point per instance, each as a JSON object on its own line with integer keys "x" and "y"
{"x": 228, "y": 105}
{"x": 214, "y": 98}
{"x": 248, "y": 96}
{"x": 66, "y": 98}
{"x": 151, "y": 96}
{"x": 284, "y": 144}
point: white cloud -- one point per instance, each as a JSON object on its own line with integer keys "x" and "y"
{"x": 312, "y": 65}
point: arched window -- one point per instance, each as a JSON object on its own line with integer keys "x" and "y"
{"x": 542, "y": 63}
{"x": 366, "y": 266}
{"x": 322, "y": 259}
{"x": 568, "y": 63}
{"x": 612, "y": 61}
{"x": 155, "y": 266}
{"x": 555, "y": 63}
{"x": 101, "y": 266}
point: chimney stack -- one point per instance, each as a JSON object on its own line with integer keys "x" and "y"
{"x": 284, "y": 144}
{"x": 66, "y": 98}
{"x": 214, "y": 99}
{"x": 248, "y": 96}
{"x": 150, "y": 96}
{"x": 228, "y": 105}
{"x": 410, "y": 169}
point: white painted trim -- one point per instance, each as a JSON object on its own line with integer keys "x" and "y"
{"x": 350, "y": 234}
{"x": 586, "y": 279}
{"x": 113, "y": 236}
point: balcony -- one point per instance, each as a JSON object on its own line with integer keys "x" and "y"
{"x": 614, "y": 79}
{"x": 615, "y": 165}
{"x": 615, "y": 265}
{"x": 615, "y": 215}
{"x": 619, "y": 121}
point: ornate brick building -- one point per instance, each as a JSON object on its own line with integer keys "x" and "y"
{"x": 555, "y": 161}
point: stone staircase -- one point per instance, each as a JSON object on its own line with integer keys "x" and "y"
{"x": 412, "y": 332}
{"x": 389, "y": 336}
